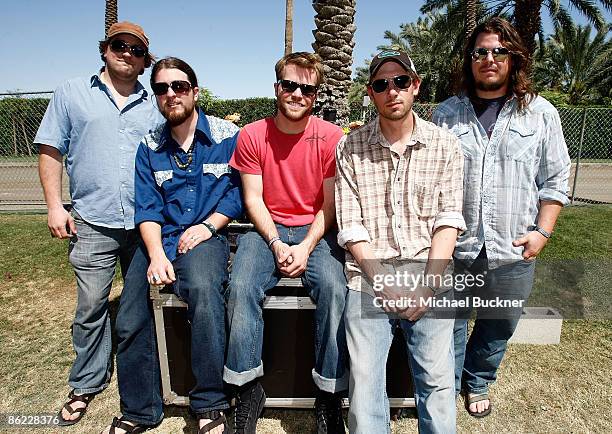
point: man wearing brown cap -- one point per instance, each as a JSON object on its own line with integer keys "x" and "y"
{"x": 399, "y": 187}
{"x": 96, "y": 123}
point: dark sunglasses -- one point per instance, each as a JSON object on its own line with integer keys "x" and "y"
{"x": 499, "y": 54}
{"x": 399, "y": 81}
{"x": 119, "y": 46}
{"x": 177, "y": 86}
{"x": 291, "y": 86}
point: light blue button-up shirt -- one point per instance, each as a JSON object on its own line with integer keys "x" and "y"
{"x": 505, "y": 177}
{"x": 100, "y": 142}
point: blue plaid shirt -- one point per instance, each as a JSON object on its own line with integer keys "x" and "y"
{"x": 179, "y": 198}
{"x": 99, "y": 141}
{"x": 506, "y": 177}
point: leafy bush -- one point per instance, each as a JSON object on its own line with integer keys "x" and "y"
{"x": 250, "y": 109}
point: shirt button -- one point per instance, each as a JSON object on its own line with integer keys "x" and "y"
{"x": 399, "y": 225}
{"x": 188, "y": 209}
{"x": 189, "y": 170}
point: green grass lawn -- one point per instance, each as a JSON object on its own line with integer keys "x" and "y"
{"x": 559, "y": 388}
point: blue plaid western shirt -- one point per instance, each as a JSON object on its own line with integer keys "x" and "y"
{"x": 505, "y": 177}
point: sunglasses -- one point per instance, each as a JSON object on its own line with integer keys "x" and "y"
{"x": 499, "y": 54}
{"x": 119, "y": 46}
{"x": 400, "y": 81}
{"x": 291, "y": 86}
{"x": 177, "y": 86}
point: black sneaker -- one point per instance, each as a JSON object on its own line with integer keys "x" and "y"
{"x": 328, "y": 408}
{"x": 249, "y": 405}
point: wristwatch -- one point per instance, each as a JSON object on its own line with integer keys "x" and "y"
{"x": 211, "y": 228}
{"x": 540, "y": 230}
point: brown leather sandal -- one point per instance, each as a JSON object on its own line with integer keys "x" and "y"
{"x": 129, "y": 428}
{"x": 217, "y": 418}
{"x": 86, "y": 398}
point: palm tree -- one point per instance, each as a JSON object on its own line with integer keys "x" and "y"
{"x": 110, "y": 15}
{"x": 526, "y": 14}
{"x": 288, "y": 26}
{"x": 470, "y": 16}
{"x": 334, "y": 41}
{"x": 574, "y": 64}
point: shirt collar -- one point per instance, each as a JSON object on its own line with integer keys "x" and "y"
{"x": 140, "y": 90}
{"x": 202, "y": 131}
{"x": 418, "y": 136}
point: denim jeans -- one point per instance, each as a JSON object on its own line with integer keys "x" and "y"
{"x": 477, "y": 359}
{"x": 253, "y": 273}
{"x": 93, "y": 252}
{"x": 201, "y": 276}
{"x": 369, "y": 333}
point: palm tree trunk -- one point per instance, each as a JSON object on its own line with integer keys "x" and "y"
{"x": 470, "y": 17}
{"x": 110, "y": 15}
{"x": 288, "y": 27}
{"x": 334, "y": 42}
{"x": 527, "y": 21}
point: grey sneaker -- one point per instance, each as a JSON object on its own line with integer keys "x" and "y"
{"x": 249, "y": 405}
{"x": 328, "y": 409}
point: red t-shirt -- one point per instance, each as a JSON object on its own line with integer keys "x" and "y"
{"x": 292, "y": 166}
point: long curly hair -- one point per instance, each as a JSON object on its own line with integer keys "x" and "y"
{"x": 520, "y": 84}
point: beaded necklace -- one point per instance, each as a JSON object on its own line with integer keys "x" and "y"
{"x": 178, "y": 161}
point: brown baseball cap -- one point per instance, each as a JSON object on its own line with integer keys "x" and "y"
{"x": 130, "y": 29}
{"x": 396, "y": 56}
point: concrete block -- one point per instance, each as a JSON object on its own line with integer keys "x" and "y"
{"x": 539, "y": 326}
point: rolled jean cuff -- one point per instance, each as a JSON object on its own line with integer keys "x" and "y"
{"x": 331, "y": 385}
{"x": 88, "y": 390}
{"x": 201, "y": 411}
{"x": 142, "y": 421}
{"x": 240, "y": 378}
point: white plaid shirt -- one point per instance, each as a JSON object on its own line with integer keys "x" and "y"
{"x": 397, "y": 202}
{"x": 525, "y": 161}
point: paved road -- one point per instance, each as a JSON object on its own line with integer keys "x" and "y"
{"x": 20, "y": 187}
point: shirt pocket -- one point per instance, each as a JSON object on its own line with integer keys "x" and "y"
{"x": 161, "y": 176}
{"x": 216, "y": 169}
{"x": 521, "y": 142}
{"x": 424, "y": 200}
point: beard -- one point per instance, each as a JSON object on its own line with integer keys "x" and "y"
{"x": 489, "y": 86}
{"x": 292, "y": 114}
{"x": 395, "y": 115}
{"x": 179, "y": 113}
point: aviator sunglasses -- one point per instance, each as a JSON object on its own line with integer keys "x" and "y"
{"x": 499, "y": 54}
{"x": 177, "y": 86}
{"x": 399, "y": 81}
{"x": 291, "y": 86}
{"x": 119, "y": 46}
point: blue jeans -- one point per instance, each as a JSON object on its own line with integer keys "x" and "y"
{"x": 477, "y": 359}
{"x": 93, "y": 253}
{"x": 369, "y": 333}
{"x": 201, "y": 275}
{"x": 253, "y": 273}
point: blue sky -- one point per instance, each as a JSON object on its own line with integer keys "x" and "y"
{"x": 231, "y": 44}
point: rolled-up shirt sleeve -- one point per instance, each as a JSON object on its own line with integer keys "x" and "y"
{"x": 554, "y": 168}
{"x": 149, "y": 201}
{"x": 348, "y": 207}
{"x": 450, "y": 199}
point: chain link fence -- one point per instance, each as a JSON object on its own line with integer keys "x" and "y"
{"x": 587, "y": 131}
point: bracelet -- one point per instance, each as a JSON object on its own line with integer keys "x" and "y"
{"x": 541, "y": 231}
{"x": 272, "y": 241}
{"x": 211, "y": 228}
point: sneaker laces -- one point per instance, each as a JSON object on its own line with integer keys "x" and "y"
{"x": 329, "y": 410}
